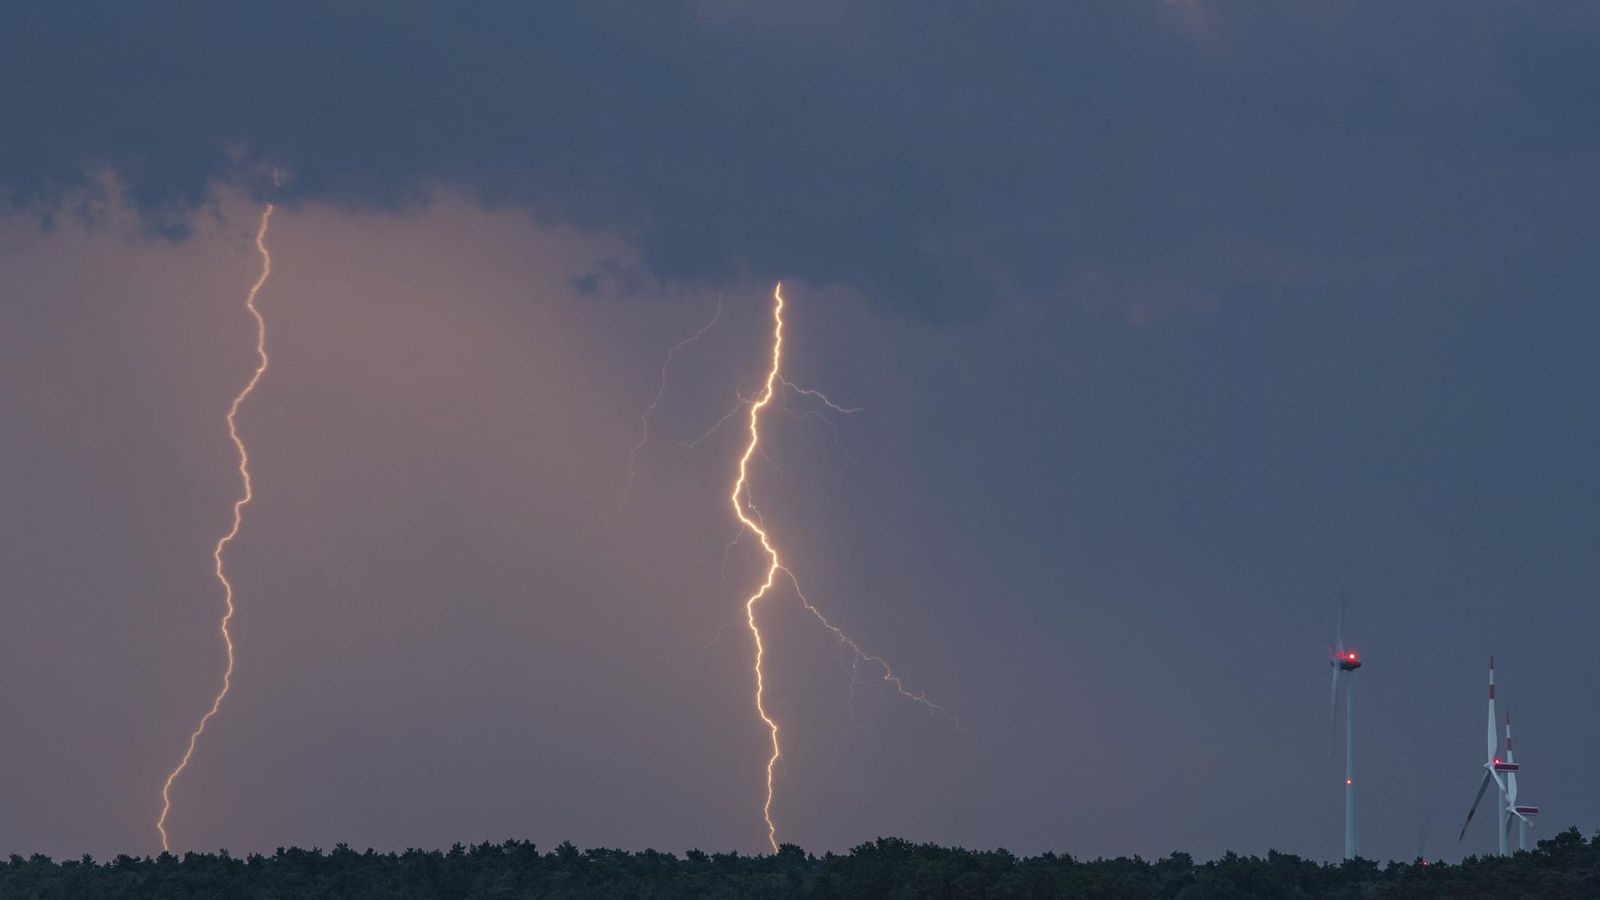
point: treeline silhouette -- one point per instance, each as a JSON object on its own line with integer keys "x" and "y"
{"x": 1565, "y": 866}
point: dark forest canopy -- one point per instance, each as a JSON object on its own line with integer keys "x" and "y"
{"x": 1563, "y": 866}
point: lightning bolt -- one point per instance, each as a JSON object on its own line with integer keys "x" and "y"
{"x": 661, "y": 391}
{"x": 238, "y": 518}
{"x": 750, "y": 519}
{"x": 739, "y": 501}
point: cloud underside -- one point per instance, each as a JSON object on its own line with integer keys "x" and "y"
{"x": 1155, "y": 154}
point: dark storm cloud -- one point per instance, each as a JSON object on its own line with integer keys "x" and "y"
{"x": 933, "y": 156}
{"x": 1111, "y": 549}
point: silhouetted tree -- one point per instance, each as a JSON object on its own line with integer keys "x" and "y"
{"x": 1563, "y": 866}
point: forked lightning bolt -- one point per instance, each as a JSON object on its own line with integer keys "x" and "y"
{"x": 750, "y": 519}
{"x": 238, "y": 519}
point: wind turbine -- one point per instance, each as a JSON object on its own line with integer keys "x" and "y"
{"x": 1522, "y": 814}
{"x": 1345, "y": 662}
{"x": 1503, "y": 773}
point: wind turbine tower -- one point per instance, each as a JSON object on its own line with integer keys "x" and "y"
{"x": 1345, "y": 662}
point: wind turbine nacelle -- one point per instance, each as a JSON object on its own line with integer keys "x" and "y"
{"x": 1526, "y": 810}
{"x": 1503, "y": 766}
{"x": 1347, "y": 661}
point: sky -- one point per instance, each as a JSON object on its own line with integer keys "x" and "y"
{"x": 1164, "y": 319}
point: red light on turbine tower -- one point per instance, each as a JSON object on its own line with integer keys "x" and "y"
{"x": 1351, "y": 656}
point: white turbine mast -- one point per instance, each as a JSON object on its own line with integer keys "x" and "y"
{"x": 1345, "y": 662}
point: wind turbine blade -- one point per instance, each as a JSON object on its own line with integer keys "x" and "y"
{"x": 1339, "y": 628}
{"x": 1517, "y": 817}
{"x": 1333, "y": 710}
{"x": 1511, "y": 777}
{"x": 1425, "y": 822}
{"x": 1483, "y": 787}
{"x": 1338, "y": 657}
{"x": 1493, "y": 737}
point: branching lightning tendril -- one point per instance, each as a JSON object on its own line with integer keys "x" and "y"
{"x": 744, "y": 402}
{"x": 661, "y": 391}
{"x": 238, "y": 519}
{"x": 818, "y": 395}
{"x": 716, "y": 426}
{"x": 861, "y": 656}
